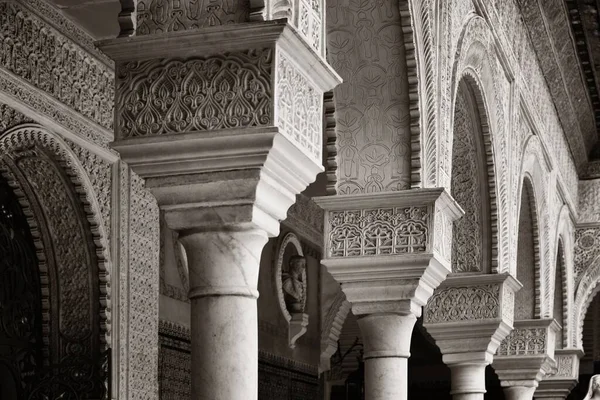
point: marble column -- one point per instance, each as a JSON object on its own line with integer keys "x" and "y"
{"x": 526, "y": 356}
{"x": 225, "y": 125}
{"x": 469, "y": 316}
{"x": 389, "y": 251}
{"x": 560, "y": 381}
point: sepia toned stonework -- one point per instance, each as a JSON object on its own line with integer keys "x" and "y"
{"x": 261, "y": 199}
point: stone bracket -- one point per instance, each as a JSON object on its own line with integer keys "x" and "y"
{"x": 468, "y": 316}
{"x": 526, "y": 356}
{"x": 387, "y": 249}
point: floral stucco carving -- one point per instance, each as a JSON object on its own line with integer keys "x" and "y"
{"x": 51, "y": 62}
{"x": 159, "y": 97}
{"x": 463, "y": 304}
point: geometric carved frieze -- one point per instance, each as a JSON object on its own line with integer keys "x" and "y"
{"x": 45, "y": 58}
{"x": 401, "y": 223}
{"x": 386, "y": 249}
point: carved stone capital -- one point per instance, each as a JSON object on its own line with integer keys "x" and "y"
{"x": 224, "y": 123}
{"x": 468, "y": 316}
{"x": 559, "y": 383}
{"x": 387, "y": 249}
{"x": 526, "y": 356}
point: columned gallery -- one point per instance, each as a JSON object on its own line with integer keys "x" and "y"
{"x": 299, "y": 199}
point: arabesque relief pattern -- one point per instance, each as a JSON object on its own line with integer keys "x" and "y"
{"x": 524, "y": 341}
{"x": 456, "y": 304}
{"x": 366, "y": 47}
{"x": 381, "y": 231}
{"x": 52, "y": 63}
{"x": 160, "y": 97}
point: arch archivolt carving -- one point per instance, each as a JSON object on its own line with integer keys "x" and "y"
{"x": 477, "y": 63}
{"x": 564, "y": 241}
{"x": 535, "y": 169}
{"x": 26, "y": 150}
{"x": 332, "y": 328}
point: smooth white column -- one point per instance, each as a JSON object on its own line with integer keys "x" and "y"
{"x": 386, "y": 339}
{"x": 468, "y": 381}
{"x": 519, "y": 392}
{"x": 224, "y": 269}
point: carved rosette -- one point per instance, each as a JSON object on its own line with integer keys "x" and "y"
{"x": 469, "y": 314}
{"x": 383, "y": 247}
{"x": 526, "y": 355}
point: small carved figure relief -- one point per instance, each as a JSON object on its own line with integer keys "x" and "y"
{"x": 291, "y": 285}
{"x": 594, "y": 390}
{"x": 294, "y": 284}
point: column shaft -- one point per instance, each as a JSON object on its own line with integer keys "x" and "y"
{"x": 223, "y": 291}
{"x": 468, "y": 381}
{"x": 519, "y": 393}
{"x": 387, "y": 348}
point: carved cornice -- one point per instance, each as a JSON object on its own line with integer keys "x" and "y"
{"x": 549, "y": 30}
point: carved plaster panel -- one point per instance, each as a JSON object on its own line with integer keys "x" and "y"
{"x": 456, "y": 304}
{"x": 9, "y": 117}
{"x": 158, "y": 97}
{"x": 379, "y": 231}
{"x": 366, "y": 47}
{"x": 143, "y": 290}
{"x": 523, "y": 342}
{"x": 299, "y": 107}
{"x": 587, "y": 250}
{"x": 158, "y": 16}
{"x": 589, "y": 201}
{"x": 51, "y": 62}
